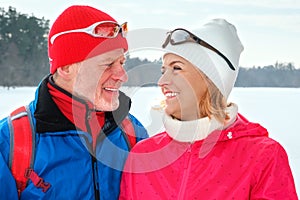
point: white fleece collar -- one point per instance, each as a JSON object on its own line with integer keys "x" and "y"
{"x": 190, "y": 131}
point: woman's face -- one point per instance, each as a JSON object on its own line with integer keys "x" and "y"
{"x": 183, "y": 86}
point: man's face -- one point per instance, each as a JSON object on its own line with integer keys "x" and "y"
{"x": 99, "y": 78}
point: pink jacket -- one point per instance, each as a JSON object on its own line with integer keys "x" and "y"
{"x": 240, "y": 162}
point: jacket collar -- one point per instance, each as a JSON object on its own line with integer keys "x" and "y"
{"x": 211, "y": 131}
{"x": 50, "y": 119}
{"x": 190, "y": 131}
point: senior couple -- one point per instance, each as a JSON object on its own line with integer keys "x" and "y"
{"x": 83, "y": 150}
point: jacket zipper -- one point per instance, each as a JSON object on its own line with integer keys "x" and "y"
{"x": 95, "y": 178}
{"x": 94, "y": 160}
{"x": 186, "y": 172}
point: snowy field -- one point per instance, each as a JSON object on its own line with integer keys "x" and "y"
{"x": 277, "y": 109}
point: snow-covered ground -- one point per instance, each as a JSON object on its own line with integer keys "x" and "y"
{"x": 277, "y": 109}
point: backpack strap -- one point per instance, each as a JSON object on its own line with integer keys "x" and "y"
{"x": 22, "y": 138}
{"x": 129, "y": 131}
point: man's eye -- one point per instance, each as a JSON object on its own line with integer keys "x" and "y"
{"x": 109, "y": 64}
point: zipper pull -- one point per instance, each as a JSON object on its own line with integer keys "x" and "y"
{"x": 188, "y": 151}
{"x": 89, "y": 114}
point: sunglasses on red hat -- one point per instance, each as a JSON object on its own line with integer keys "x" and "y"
{"x": 104, "y": 29}
{"x": 180, "y": 36}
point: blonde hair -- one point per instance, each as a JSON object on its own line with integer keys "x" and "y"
{"x": 213, "y": 103}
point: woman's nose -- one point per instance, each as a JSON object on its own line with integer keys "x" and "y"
{"x": 165, "y": 78}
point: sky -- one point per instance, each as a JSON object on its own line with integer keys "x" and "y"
{"x": 268, "y": 29}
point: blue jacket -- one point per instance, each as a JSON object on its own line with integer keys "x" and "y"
{"x": 62, "y": 156}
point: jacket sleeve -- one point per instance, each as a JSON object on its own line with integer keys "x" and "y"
{"x": 8, "y": 189}
{"x": 274, "y": 179}
{"x": 141, "y": 132}
{"x": 124, "y": 187}
{"x": 127, "y": 182}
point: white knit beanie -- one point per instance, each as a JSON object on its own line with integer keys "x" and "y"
{"x": 223, "y": 36}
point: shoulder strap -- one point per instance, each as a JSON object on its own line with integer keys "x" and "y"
{"x": 22, "y": 138}
{"x": 129, "y": 131}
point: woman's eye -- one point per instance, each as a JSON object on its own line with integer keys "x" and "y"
{"x": 175, "y": 68}
{"x": 162, "y": 70}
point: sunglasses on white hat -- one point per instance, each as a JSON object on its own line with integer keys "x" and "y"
{"x": 180, "y": 36}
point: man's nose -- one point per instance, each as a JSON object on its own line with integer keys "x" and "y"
{"x": 120, "y": 73}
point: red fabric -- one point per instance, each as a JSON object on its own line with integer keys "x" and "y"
{"x": 75, "y": 47}
{"x": 129, "y": 131}
{"x": 79, "y": 113}
{"x": 36, "y": 180}
{"x": 241, "y": 162}
{"x": 22, "y": 147}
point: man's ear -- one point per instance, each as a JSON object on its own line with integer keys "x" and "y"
{"x": 67, "y": 72}
{"x": 65, "y": 76}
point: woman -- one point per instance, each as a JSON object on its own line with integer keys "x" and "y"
{"x": 208, "y": 149}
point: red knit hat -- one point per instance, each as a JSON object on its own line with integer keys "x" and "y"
{"x": 75, "y": 47}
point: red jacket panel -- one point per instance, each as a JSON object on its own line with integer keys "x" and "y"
{"x": 240, "y": 162}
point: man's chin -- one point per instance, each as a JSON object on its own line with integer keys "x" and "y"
{"x": 107, "y": 106}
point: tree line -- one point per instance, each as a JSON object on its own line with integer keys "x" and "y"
{"x": 23, "y": 48}
{"x": 144, "y": 73}
{"x": 24, "y": 58}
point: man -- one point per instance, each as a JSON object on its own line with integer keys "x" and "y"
{"x": 79, "y": 147}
